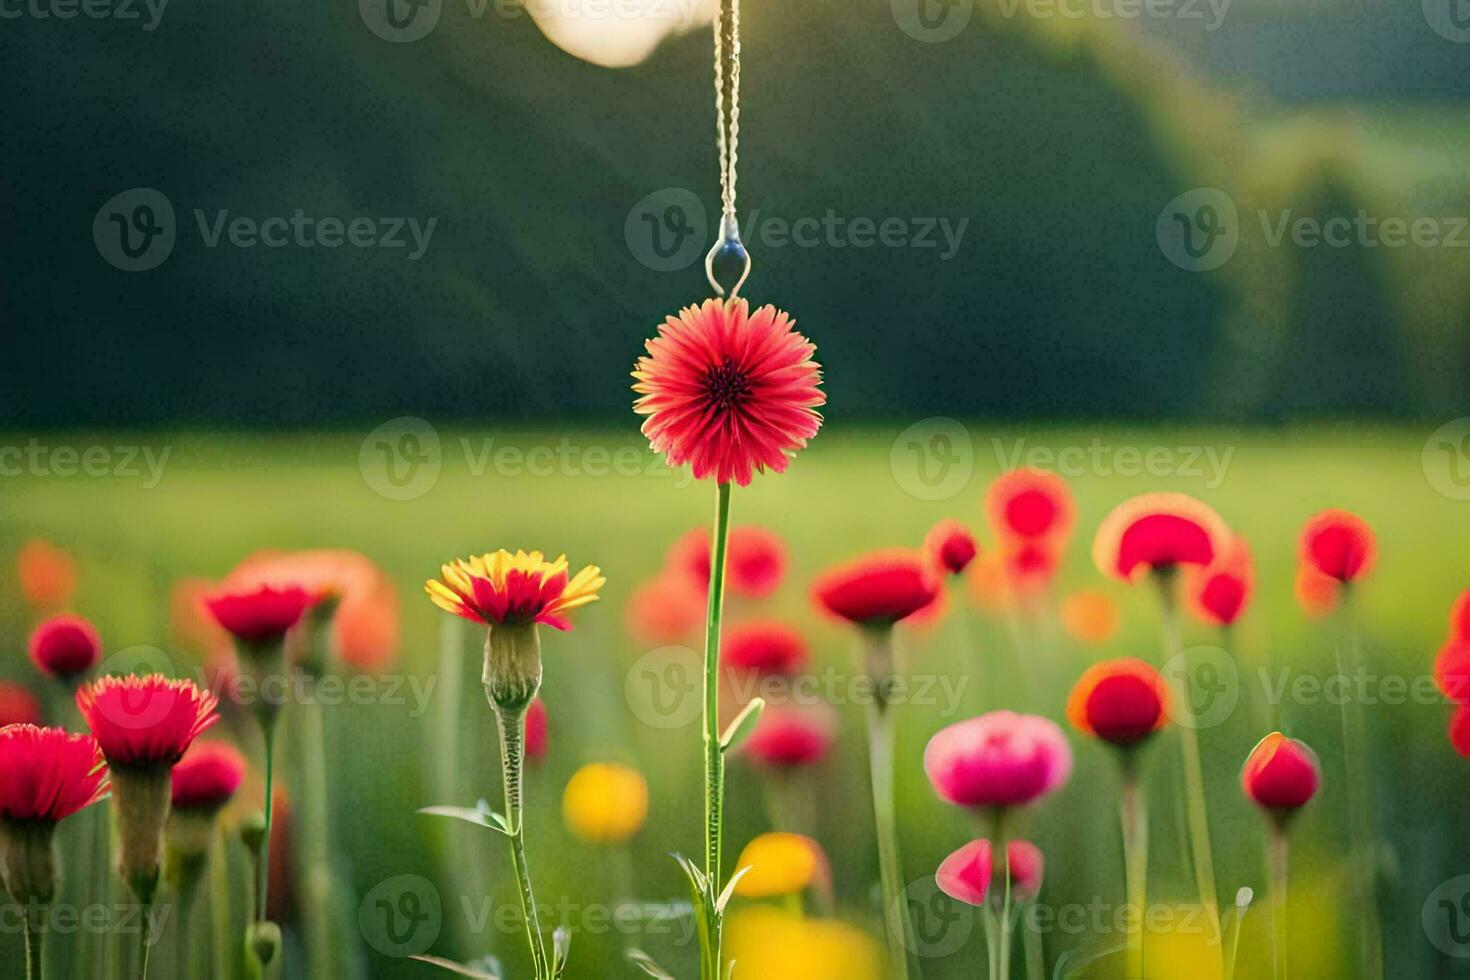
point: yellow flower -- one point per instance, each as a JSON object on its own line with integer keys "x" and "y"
{"x": 773, "y": 944}
{"x": 605, "y": 803}
{"x": 780, "y": 864}
{"x": 514, "y": 589}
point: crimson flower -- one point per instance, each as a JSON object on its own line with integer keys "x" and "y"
{"x": 999, "y": 759}
{"x": 951, "y": 545}
{"x": 1460, "y": 617}
{"x": 879, "y": 588}
{"x": 1120, "y": 701}
{"x": 1338, "y": 544}
{"x": 1157, "y": 532}
{"x": 1452, "y": 670}
{"x": 145, "y": 721}
{"x": 258, "y": 614}
{"x": 755, "y": 560}
{"x": 207, "y": 777}
{"x": 728, "y": 392}
{"x": 1029, "y": 503}
{"x": 1460, "y": 730}
{"x": 1219, "y": 591}
{"x": 47, "y": 774}
{"x": 1281, "y": 774}
{"x": 790, "y": 735}
{"x": 764, "y": 647}
{"x": 536, "y": 731}
{"x": 965, "y": 875}
{"x": 65, "y": 647}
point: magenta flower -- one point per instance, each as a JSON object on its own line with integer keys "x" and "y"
{"x": 999, "y": 759}
{"x": 965, "y": 875}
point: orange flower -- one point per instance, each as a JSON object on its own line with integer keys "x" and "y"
{"x": 1315, "y": 593}
{"x": 1120, "y": 701}
{"x": 1029, "y": 503}
{"x": 1157, "y": 532}
{"x": 1219, "y": 591}
{"x": 366, "y": 625}
{"x": 664, "y": 610}
{"x": 48, "y": 575}
{"x": 1090, "y": 616}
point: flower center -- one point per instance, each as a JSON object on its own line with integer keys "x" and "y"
{"x": 726, "y": 385}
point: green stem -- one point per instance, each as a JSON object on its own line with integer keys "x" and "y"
{"x": 1035, "y": 961}
{"x": 35, "y": 941}
{"x": 1277, "y": 858}
{"x": 1194, "y": 780}
{"x": 879, "y": 658}
{"x": 219, "y": 903}
{"x": 714, "y": 757}
{"x": 145, "y": 940}
{"x": 263, "y": 871}
{"x": 1360, "y": 819}
{"x": 992, "y": 942}
{"x": 317, "y": 849}
{"x": 512, "y": 742}
{"x": 1135, "y": 863}
{"x": 1002, "y": 845}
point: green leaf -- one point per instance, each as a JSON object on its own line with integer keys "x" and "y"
{"x": 730, "y": 888}
{"x": 480, "y": 816}
{"x": 459, "y": 968}
{"x": 645, "y": 963}
{"x": 743, "y": 725}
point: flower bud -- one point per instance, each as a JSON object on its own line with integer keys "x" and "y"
{"x": 28, "y": 860}
{"x": 264, "y": 939}
{"x": 252, "y": 832}
{"x": 1281, "y": 775}
{"x": 512, "y": 673}
{"x": 141, "y": 795}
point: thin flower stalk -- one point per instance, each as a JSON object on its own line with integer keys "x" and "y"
{"x": 1348, "y": 654}
{"x": 714, "y": 755}
{"x": 1277, "y": 857}
{"x": 1135, "y": 862}
{"x": 512, "y": 724}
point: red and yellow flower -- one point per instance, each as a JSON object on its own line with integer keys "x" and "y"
{"x": 501, "y": 588}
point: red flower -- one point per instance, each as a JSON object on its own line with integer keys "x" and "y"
{"x": 1460, "y": 618}
{"x": 207, "y": 777}
{"x": 1026, "y": 866}
{"x": 1219, "y": 591}
{"x": 664, "y": 610}
{"x": 755, "y": 560}
{"x": 1121, "y": 702}
{"x": 1452, "y": 670}
{"x": 48, "y": 575}
{"x": 258, "y": 613}
{"x": 65, "y": 646}
{"x": 1157, "y": 531}
{"x": 1281, "y": 773}
{"x": 18, "y": 706}
{"x": 790, "y": 735}
{"x": 536, "y": 731}
{"x": 965, "y": 875}
{"x": 1029, "y": 503}
{"x": 144, "y": 721}
{"x": 1460, "y": 730}
{"x": 882, "y": 587}
{"x": 951, "y": 545}
{"x": 932, "y": 614}
{"x": 728, "y": 392}
{"x": 47, "y": 774}
{"x": 764, "y": 647}
{"x": 1338, "y": 544}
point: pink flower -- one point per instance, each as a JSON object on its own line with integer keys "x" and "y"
{"x": 1026, "y": 866}
{"x": 999, "y": 759}
{"x": 755, "y": 560}
{"x": 790, "y": 735}
{"x": 65, "y": 647}
{"x": 536, "y": 731}
{"x": 47, "y": 774}
{"x": 965, "y": 875}
{"x": 258, "y": 613}
{"x": 729, "y": 392}
{"x": 951, "y": 545}
{"x": 764, "y": 647}
{"x": 207, "y": 776}
{"x": 145, "y": 721}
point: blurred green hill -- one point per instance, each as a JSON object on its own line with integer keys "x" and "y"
{"x": 1059, "y": 142}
